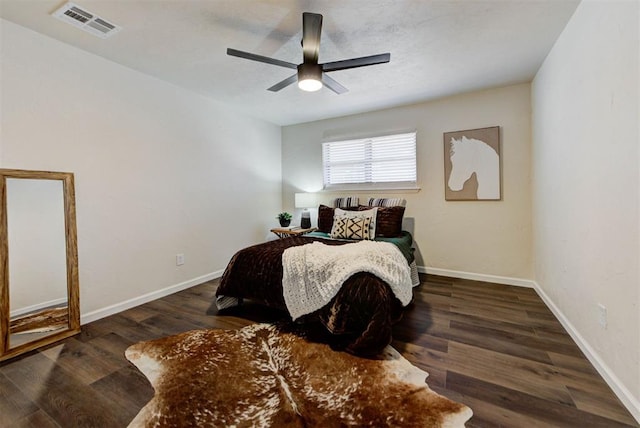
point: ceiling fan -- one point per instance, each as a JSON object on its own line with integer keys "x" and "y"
{"x": 311, "y": 76}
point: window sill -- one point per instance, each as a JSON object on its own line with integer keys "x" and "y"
{"x": 399, "y": 189}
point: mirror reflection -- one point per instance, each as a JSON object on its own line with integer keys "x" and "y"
{"x": 37, "y": 263}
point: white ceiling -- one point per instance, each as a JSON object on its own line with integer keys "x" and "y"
{"x": 438, "y": 48}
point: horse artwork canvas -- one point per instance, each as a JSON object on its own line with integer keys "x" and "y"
{"x": 472, "y": 165}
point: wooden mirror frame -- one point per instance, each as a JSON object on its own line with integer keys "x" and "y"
{"x": 73, "y": 295}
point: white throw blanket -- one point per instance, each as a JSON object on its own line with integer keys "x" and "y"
{"x": 313, "y": 273}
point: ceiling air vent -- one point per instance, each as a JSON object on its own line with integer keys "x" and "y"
{"x": 91, "y": 23}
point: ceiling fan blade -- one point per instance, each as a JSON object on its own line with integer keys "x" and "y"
{"x": 356, "y": 62}
{"x": 260, "y": 58}
{"x": 283, "y": 84}
{"x": 311, "y": 29}
{"x": 333, "y": 85}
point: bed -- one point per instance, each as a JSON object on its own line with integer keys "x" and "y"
{"x": 360, "y": 316}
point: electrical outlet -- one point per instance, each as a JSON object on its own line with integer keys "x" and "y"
{"x": 179, "y": 259}
{"x": 602, "y": 315}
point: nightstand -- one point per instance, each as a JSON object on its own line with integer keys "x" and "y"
{"x": 284, "y": 232}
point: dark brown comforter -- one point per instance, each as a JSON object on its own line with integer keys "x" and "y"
{"x": 359, "y": 317}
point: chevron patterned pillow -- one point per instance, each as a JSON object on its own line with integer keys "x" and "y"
{"x": 371, "y": 213}
{"x": 351, "y": 228}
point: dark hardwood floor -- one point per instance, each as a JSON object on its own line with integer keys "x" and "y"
{"x": 496, "y": 348}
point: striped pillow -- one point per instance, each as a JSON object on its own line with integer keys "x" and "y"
{"x": 346, "y": 202}
{"x": 386, "y": 202}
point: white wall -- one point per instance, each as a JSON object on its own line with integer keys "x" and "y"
{"x": 158, "y": 170}
{"x": 488, "y": 238}
{"x": 586, "y": 185}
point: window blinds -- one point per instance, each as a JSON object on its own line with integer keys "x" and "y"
{"x": 377, "y": 162}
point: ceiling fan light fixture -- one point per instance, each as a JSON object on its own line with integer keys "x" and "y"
{"x": 309, "y": 77}
{"x": 310, "y": 85}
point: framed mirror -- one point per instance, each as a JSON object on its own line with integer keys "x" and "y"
{"x": 39, "y": 295}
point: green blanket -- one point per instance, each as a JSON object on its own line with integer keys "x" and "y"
{"x": 404, "y": 242}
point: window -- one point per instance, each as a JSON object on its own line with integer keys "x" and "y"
{"x": 387, "y": 162}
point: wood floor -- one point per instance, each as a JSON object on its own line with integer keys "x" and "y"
{"x": 496, "y": 348}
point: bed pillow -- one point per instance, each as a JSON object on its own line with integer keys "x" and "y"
{"x": 370, "y": 213}
{"x": 388, "y": 220}
{"x": 386, "y": 202}
{"x": 325, "y": 217}
{"x": 351, "y": 227}
{"x": 346, "y": 202}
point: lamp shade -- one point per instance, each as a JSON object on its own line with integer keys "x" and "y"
{"x": 305, "y": 200}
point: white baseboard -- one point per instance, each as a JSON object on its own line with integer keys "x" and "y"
{"x": 626, "y": 397}
{"x": 630, "y": 402}
{"x": 137, "y": 301}
{"x": 519, "y": 282}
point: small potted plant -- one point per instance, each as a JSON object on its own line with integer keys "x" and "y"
{"x": 284, "y": 218}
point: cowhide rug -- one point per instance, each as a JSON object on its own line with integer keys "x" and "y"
{"x": 265, "y": 376}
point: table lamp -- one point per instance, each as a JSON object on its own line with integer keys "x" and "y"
{"x": 305, "y": 201}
